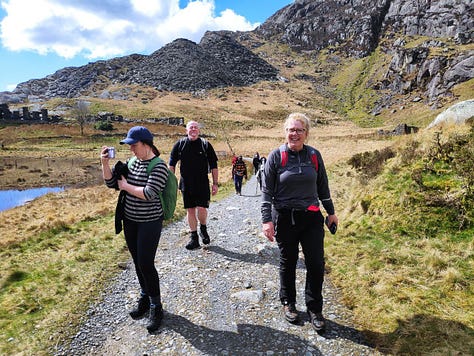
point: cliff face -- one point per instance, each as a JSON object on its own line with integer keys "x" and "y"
{"x": 309, "y": 25}
{"x": 355, "y": 28}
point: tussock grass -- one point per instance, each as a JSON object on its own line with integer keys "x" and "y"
{"x": 48, "y": 279}
{"x": 404, "y": 264}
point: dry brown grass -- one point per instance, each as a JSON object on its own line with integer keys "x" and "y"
{"x": 65, "y": 208}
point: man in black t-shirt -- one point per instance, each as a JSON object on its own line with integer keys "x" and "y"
{"x": 197, "y": 157}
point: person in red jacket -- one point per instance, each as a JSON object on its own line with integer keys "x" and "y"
{"x": 239, "y": 172}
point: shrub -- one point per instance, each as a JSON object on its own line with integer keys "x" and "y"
{"x": 370, "y": 164}
{"x": 103, "y": 126}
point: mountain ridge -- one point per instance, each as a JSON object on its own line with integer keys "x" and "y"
{"x": 351, "y": 29}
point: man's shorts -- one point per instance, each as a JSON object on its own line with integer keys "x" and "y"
{"x": 200, "y": 199}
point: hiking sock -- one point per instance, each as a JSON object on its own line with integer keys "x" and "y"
{"x": 194, "y": 241}
{"x": 155, "y": 301}
{"x": 205, "y": 236}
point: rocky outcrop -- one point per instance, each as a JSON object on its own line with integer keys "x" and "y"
{"x": 456, "y": 114}
{"x": 439, "y": 19}
{"x": 355, "y": 28}
{"x": 416, "y": 68}
{"x": 350, "y": 25}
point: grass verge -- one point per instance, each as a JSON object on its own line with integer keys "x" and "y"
{"x": 404, "y": 255}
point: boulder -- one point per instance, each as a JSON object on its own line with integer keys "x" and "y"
{"x": 457, "y": 114}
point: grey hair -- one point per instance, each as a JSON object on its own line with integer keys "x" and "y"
{"x": 297, "y": 116}
{"x": 192, "y": 122}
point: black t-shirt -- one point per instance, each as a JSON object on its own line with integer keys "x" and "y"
{"x": 196, "y": 159}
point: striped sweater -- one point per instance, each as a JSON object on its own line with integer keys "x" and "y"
{"x": 150, "y": 209}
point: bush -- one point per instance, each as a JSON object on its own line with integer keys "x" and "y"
{"x": 103, "y": 126}
{"x": 370, "y": 164}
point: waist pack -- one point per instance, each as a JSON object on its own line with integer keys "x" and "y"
{"x": 169, "y": 195}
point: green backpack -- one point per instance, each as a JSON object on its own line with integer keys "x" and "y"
{"x": 170, "y": 193}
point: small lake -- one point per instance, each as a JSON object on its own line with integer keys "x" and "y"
{"x": 12, "y": 198}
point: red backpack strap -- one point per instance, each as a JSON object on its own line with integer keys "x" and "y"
{"x": 314, "y": 159}
{"x": 283, "y": 155}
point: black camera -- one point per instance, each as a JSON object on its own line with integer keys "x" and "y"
{"x": 332, "y": 228}
{"x": 120, "y": 169}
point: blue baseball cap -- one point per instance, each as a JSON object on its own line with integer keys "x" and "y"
{"x": 137, "y": 133}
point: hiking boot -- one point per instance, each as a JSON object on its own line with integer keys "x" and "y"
{"x": 317, "y": 321}
{"x": 206, "y": 240}
{"x": 290, "y": 313}
{"x": 193, "y": 242}
{"x": 142, "y": 307}
{"x": 156, "y": 316}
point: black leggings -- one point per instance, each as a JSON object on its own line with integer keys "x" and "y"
{"x": 305, "y": 228}
{"x": 142, "y": 242}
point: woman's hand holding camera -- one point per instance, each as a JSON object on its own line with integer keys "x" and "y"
{"x": 104, "y": 154}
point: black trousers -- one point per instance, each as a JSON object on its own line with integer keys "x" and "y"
{"x": 142, "y": 242}
{"x": 306, "y": 228}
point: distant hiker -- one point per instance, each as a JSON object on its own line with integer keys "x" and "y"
{"x": 293, "y": 184}
{"x": 261, "y": 171}
{"x": 140, "y": 209}
{"x": 239, "y": 172}
{"x": 197, "y": 157}
{"x": 256, "y": 162}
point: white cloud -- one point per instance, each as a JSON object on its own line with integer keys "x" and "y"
{"x": 10, "y": 87}
{"x": 106, "y": 28}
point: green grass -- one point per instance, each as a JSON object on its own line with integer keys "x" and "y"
{"x": 50, "y": 280}
{"x": 402, "y": 258}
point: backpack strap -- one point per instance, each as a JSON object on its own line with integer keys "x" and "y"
{"x": 155, "y": 160}
{"x": 283, "y": 155}
{"x": 314, "y": 159}
{"x": 131, "y": 161}
{"x": 151, "y": 165}
{"x": 204, "y": 145}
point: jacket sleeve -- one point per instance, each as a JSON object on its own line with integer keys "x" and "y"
{"x": 324, "y": 193}
{"x": 268, "y": 185}
{"x": 174, "y": 155}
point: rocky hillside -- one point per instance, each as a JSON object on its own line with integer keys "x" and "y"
{"x": 429, "y": 43}
{"x": 182, "y": 65}
{"x": 423, "y": 46}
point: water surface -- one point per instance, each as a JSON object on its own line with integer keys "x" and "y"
{"x": 12, "y": 198}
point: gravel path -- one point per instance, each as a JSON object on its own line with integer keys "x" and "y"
{"x": 218, "y": 300}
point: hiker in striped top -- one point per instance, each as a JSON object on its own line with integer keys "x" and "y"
{"x": 140, "y": 209}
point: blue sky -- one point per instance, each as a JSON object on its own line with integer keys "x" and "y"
{"x": 38, "y": 37}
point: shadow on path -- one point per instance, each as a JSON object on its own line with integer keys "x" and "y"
{"x": 268, "y": 255}
{"x": 248, "y": 340}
